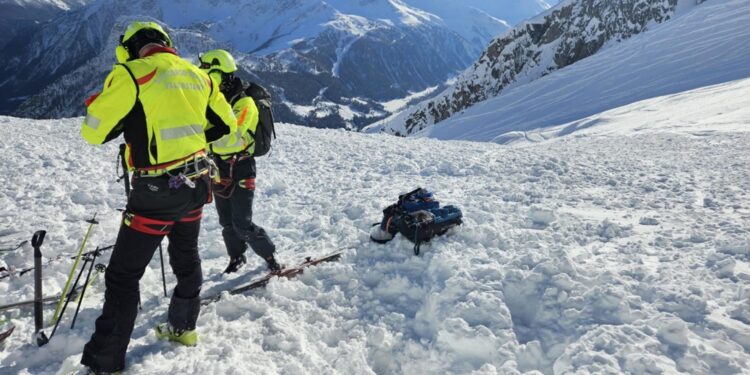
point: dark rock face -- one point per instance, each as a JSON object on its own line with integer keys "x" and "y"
{"x": 44, "y": 57}
{"x": 19, "y": 18}
{"x": 374, "y": 69}
{"x": 562, "y": 37}
{"x": 86, "y": 73}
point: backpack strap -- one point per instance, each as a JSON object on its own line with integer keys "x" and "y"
{"x": 403, "y": 197}
{"x": 135, "y": 81}
{"x": 237, "y": 98}
{"x": 417, "y": 239}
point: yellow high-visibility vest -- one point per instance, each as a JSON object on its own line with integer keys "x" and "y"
{"x": 163, "y": 104}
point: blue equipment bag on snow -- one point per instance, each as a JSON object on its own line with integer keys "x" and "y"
{"x": 418, "y": 217}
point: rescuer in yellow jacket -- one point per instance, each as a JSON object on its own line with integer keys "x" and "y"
{"x": 168, "y": 110}
{"x": 234, "y": 157}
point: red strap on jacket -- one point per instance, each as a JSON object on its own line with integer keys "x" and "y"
{"x": 156, "y": 49}
{"x": 248, "y": 183}
{"x": 91, "y": 99}
{"x": 192, "y": 216}
{"x": 145, "y": 79}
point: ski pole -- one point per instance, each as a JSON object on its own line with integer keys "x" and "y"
{"x": 100, "y": 269}
{"x": 124, "y": 163}
{"x": 163, "y": 277}
{"x": 69, "y": 297}
{"x": 83, "y": 292}
{"x": 56, "y": 316}
{"x": 98, "y": 251}
{"x": 36, "y": 242}
{"x": 14, "y": 248}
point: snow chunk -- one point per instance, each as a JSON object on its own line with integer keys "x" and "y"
{"x": 542, "y": 217}
{"x": 608, "y": 230}
{"x": 648, "y": 221}
{"x": 735, "y": 248}
{"x": 674, "y": 332}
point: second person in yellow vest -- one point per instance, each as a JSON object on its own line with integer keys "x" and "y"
{"x": 233, "y": 154}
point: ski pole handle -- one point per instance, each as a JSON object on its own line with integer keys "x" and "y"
{"x": 37, "y": 240}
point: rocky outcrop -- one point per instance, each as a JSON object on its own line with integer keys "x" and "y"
{"x": 572, "y": 31}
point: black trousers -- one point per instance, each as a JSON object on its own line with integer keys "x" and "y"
{"x": 234, "y": 203}
{"x": 154, "y": 210}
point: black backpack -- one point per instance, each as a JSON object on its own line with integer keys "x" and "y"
{"x": 418, "y": 217}
{"x": 265, "y": 131}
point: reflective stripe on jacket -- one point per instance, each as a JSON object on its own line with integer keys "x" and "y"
{"x": 167, "y": 108}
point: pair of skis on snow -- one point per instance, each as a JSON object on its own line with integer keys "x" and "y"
{"x": 71, "y": 292}
{"x": 75, "y": 291}
{"x": 6, "y": 334}
{"x": 36, "y": 242}
{"x": 289, "y": 272}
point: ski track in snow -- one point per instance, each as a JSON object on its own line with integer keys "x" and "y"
{"x": 588, "y": 255}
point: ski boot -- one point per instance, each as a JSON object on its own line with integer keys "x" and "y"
{"x": 273, "y": 265}
{"x": 235, "y": 264}
{"x": 187, "y": 338}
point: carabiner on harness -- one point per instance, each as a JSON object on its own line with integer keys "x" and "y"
{"x": 176, "y": 181}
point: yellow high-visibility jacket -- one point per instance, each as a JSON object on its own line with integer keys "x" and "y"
{"x": 168, "y": 109}
{"x": 247, "y": 121}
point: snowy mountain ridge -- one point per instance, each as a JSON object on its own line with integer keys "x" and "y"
{"x": 60, "y": 4}
{"x": 704, "y": 46}
{"x": 331, "y": 62}
{"x": 22, "y": 16}
{"x": 571, "y": 31}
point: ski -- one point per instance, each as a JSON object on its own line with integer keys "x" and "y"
{"x": 21, "y": 272}
{"x": 14, "y": 248}
{"x": 288, "y": 272}
{"x": 6, "y": 334}
{"x": 11, "y": 272}
{"x": 46, "y": 300}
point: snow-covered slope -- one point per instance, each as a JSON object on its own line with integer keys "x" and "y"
{"x": 570, "y": 32}
{"x": 60, "y": 4}
{"x": 706, "y": 46}
{"x": 331, "y": 63}
{"x": 724, "y": 106}
{"x": 597, "y": 254}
